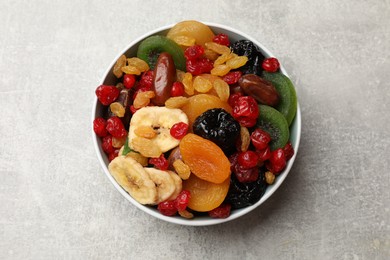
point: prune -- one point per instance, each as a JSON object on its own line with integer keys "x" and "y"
{"x": 218, "y": 126}
{"x": 245, "y": 194}
{"x": 255, "y": 57}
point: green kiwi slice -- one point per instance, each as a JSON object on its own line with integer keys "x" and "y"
{"x": 151, "y": 47}
{"x": 288, "y": 97}
{"x": 274, "y": 123}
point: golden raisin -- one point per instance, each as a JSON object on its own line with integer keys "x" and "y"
{"x": 138, "y": 157}
{"x": 186, "y": 214}
{"x": 182, "y": 169}
{"x": 146, "y": 147}
{"x": 121, "y": 62}
{"x": 131, "y": 70}
{"x": 220, "y": 70}
{"x": 141, "y": 65}
{"x": 223, "y": 58}
{"x": 176, "y": 102}
{"x": 222, "y": 89}
{"x": 117, "y": 109}
{"x": 237, "y": 62}
{"x": 118, "y": 142}
{"x": 218, "y": 48}
{"x": 184, "y": 40}
{"x": 202, "y": 84}
{"x": 180, "y": 75}
{"x": 143, "y": 99}
{"x": 269, "y": 177}
{"x": 211, "y": 55}
{"x": 245, "y": 138}
{"x": 145, "y": 131}
{"x": 187, "y": 82}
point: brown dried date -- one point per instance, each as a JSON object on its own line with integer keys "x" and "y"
{"x": 260, "y": 89}
{"x": 164, "y": 75}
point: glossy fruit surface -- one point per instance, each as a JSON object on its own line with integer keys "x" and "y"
{"x": 205, "y": 159}
{"x": 192, "y": 29}
{"x": 205, "y": 196}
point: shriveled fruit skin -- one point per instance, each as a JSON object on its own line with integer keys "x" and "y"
{"x": 199, "y": 104}
{"x": 193, "y": 29}
{"x": 205, "y": 196}
{"x": 205, "y": 159}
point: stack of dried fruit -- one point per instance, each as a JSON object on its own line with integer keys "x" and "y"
{"x": 196, "y": 124}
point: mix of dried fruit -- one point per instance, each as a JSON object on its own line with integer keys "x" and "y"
{"x": 196, "y": 123}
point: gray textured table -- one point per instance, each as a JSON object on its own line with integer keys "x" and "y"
{"x": 56, "y": 202}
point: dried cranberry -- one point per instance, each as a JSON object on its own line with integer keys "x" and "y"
{"x": 248, "y": 159}
{"x": 244, "y": 174}
{"x": 277, "y": 161}
{"x": 233, "y": 161}
{"x": 128, "y": 80}
{"x": 222, "y": 211}
{"x": 179, "y": 130}
{"x": 264, "y": 154}
{"x": 246, "y": 106}
{"x": 113, "y": 155}
{"x": 177, "y": 89}
{"x": 199, "y": 66}
{"x": 99, "y": 127}
{"x": 271, "y": 64}
{"x": 107, "y": 94}
{"x": 115, "y": 127}
{"x": 146, "y": 80}
{"x": 107, "y": 144}
{"x": 182, "y": 200}
{"x": 234, "y": 98}
{"x": 246, "y": 121}
{"x": 222, "y": 39}
{"x": 133, "y": 109}
{"x": 139, "y": 90}
{"x": 160, "y": 163}
{"x": 260, "y": 139}
{"x": 288, "y": 151}
{"x": 167, "y": 208}
{"x": 194, "y": 52}
{"x": 232, "y": 77}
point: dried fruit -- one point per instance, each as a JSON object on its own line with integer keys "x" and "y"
{"x": 160, "y": 163}
{"x": 222, "y": 89}
{"x": 277, "y": 161}
{"x": 232, "y": 77}
{"x": 245, "y": 139}
{"x": 179, "y": 130}
{"x": 219, "y": 127}
{"x": 167, "y": 208}
{"x": 271, "y": 64}
{"x": 99, "y": 127}
{"x": 115, "y": 127}
{"x": 269, "y": 177}
{"x": 182, "y": 169}
{"x": 117, "y": 109}
{"x": 237, "y": 62}
{"x": 205, "y": 159}
{"x": 184, "y": 40}
{"x": 222, "y": 39}
{"x": 182, "y": 200}
{"x": 202, "y": 84}
{"x": 193, "y": 52}
{"x": 187, "y": 82}
{"x": 146, "y": 147}
{"x": 218, "y": 48}
{"x": 117, "y": 70}
{"x": 222, "y": 211}
{"x": 260, "y": 139}
{"x": 220, "y": 70}
{"x": 145, "y": 131}
{"x": 164, "y": 74}
{"x": 176, "y": 102}
{"x": 247, "y": 159}
{"x": 141, "y": 65}
{"x": 177, "y": 89}
{"x": 107, "y": 94}
{"x": 143, "y": 99}
{"x": 107, "y": 144}
{"x": 118, "y": 142}
{"x": 129, "y": 81}
{"x": 260, "y": 89}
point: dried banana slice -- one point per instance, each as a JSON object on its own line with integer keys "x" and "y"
{"x": 164, "y": 183}
{"x": 178, "y": 185}
{"x": 134, "y": 179}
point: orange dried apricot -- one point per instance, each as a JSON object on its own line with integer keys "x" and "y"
{"x": 205, "y": 196}
{"x": 205, "y": 159}
{"x": 201, "y": 103}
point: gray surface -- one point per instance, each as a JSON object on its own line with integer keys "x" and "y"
{"x": 56, "y": 203}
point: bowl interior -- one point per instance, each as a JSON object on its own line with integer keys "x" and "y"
{"x": 110, "y": 79}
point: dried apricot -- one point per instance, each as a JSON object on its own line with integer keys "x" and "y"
{"x": 205, "y": 196}
{"x": 205, "y": 159}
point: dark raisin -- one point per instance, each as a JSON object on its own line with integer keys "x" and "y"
{"x": 241, "y": 194}
{"x": 255, "y": 57}
{"x": 218, "y": 126}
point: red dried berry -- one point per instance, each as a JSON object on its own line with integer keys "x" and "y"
{"x": 246, "y": 106}
{"x": 277, "y": 161}
{"x": 179, "y": 130}
{"x": 288, "y": 151}
{"x": 233, "y": 161}
{"x": 177, "y": 89}
{"x": 246, "y": 175}
{"x": 271, "y": 64}
{"x": 182, "y": 200}
{"x": 167, "y": 208}
{"x": 248, "y": 159}
{"x": 133, "y": 109}
{"x": 260, "y": 139}
{"x": 222, "y": 39}
{"x": 193, "y": 52}
{"x": 232, "y": 77}
{"x": 234, "y": 98}
{"x": 246, "y": 121}
{"x": 146, "y": 80}
{"x": 107, "y": 94}
{"x": 264, "y": 154}
{"x": 128, "y": 81}
{"x": 199, "y": 66}
{"x": 107, "y": 144}
{"x": 222, "y": 211}
{"x": 115, "y": 127}
{"x": 113, "y": 155}
{"x": 99, "y": 127}
{"x": 160, "y": 163}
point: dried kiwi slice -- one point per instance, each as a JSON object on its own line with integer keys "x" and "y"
{"x": 274, "y": 123}
{"x": 287, "y": 96}
{"x": 151, "y": 47}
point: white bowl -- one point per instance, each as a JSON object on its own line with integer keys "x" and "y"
{"x": 97, "y": 111}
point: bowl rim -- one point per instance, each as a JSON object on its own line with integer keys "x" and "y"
{"x": 271, "y": 189}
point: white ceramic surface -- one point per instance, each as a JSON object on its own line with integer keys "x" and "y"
{"x": 109, "y": 78}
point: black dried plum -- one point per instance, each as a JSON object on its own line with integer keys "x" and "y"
{"x": 218, "y": 126}
{"x": 241, "y": 195}
{"x": 255, "y": 57}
